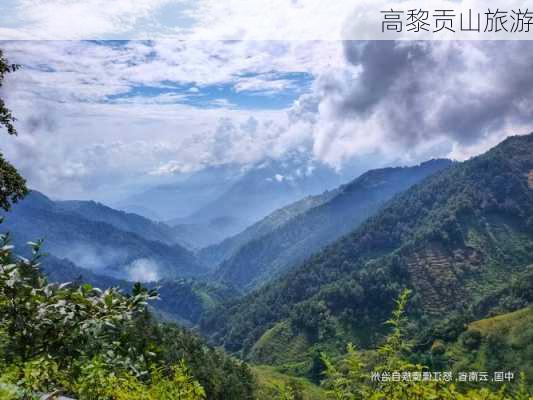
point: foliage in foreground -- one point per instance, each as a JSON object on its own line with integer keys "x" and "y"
{"x": 349, "y": 380}
{"x": 93, "y": 344}
{"x": 12, "y": 185}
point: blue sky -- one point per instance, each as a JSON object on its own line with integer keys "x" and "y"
{"x": 246, "y": 90}
{"x": 227, "y": 94}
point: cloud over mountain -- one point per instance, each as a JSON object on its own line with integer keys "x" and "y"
{"x": 447, "y": 98}
{"x": 116, "y": 116}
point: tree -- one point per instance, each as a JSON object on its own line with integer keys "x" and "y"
{"x": 61, "y": 338}
{"x": 349, "y": 380}
{"x": 12, "y": 185}
{"x": 101, "y": 344}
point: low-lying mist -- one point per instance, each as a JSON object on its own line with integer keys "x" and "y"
{"x": 105, "y": 260}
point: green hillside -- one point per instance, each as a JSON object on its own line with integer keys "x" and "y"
{"x": 269, "y": 253}
{"x": 456, "y": 239}
{"x": 217, "y": 253}
{"x": 271, "y": 383}
{"x": 500, "y": 343}
{"x": 185, "y": 301}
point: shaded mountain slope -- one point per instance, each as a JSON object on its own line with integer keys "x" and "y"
{"x": 183, "y": 301}
{"x": 217, "y": 253}
{"x": 454, "y": 238}
{"x": 203, "y": 234}
{"x": 128, "y": 222}
{"x": 264, "y": 188}
{"x": 97, "y": 246}
{"x": 322, "y": 219}
{"x": 61, "y": 270}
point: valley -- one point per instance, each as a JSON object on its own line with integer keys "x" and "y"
{"x": 324, "y": 271}
{"x": 256, "y": 203}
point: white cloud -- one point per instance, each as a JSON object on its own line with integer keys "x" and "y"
{"x": 388, "y": 105}
{"x": 185, "y": 19}
{"x": 377, "y": 104}
{"x": 224, "y": 103}
{"x": 87, "y": 71}
{"x": 81, "y": 137}
{"x": 224, "y": 20}
{"x": 104, "y": 151}
{"x": 143, "y": 270}
{"x": 75, "y": 19}
{"x": 263, "y": 84}
{"x": 165, "y": 98}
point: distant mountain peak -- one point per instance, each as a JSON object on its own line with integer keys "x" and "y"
{"x": 292, "y": 233}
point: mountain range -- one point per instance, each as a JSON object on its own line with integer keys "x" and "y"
{"x": 456, "y": 239}
{"x": 218, "y": 202}
{"x": 102, "y": 240}
{"x": 184, "y": 195}
{"x": 322, "y": 270}
{"x": 291, "y": 234}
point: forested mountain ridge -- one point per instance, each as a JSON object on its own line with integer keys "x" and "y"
{"x": 269, "y": 252}
{"x": 77, "y": 235}
{"x": 72, "y": 233}
{"x": 186, "y": 301}
{"x": 125, "y": 221}
{"x": 217, "y": 253}
{"x": 454, "y": 238}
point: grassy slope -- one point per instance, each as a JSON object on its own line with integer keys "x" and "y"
{"x": 270, "y": 380}
{"x": 505, "y": 344}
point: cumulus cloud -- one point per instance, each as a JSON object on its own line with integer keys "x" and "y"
{"x": 91, "y": 127}
{"x": 421, "y": 98}
{"x": 480, "y": 86}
